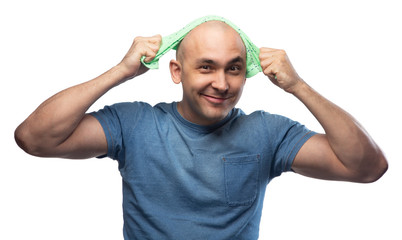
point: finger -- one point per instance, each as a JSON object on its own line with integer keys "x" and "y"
{"x": 266, "y": 62}
{"x": 269, "y": 67}
{"x": 269, "y": 52}
{"x": 272, "y": 52}
{"x": 156, "y": 39}
{"x": 143, "y": 47}
{"x": 265, "y": 49}
{"x": 264, "y": 55}
{"x": 271, "y": 72}
{"x": 154, "y": 46}
{"x": 149, "y": 53}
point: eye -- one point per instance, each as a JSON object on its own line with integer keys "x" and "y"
{"x": 234, "y": 68}
{"x": 205, "y": 68}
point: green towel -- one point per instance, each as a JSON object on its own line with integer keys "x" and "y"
{"x": 173, "y": 40}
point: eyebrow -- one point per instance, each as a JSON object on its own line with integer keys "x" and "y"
{"x": 236, "y": 60}
{"x": 210, "y": 61}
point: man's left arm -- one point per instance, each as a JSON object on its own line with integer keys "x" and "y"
{"x": 345, "y": 152}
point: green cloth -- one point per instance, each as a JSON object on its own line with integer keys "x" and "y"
{"x": 172, "y": 41}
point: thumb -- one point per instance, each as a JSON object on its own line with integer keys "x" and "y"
{"x": 152, "y": 49}
{"x": 148, "y": 57}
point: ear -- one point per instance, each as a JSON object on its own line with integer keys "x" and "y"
{"x": 175, "y": 71}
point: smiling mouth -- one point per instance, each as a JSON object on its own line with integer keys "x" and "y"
{"x": 214, "y": 99}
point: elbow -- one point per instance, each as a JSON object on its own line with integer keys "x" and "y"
{"x": 33, "y": 143}
{"x": 375, "y": 171}
{"x": 25, "y": 141}
{"x": 20, "y": 138}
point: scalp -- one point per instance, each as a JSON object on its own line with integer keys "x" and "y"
{"x": 210, "y": 28}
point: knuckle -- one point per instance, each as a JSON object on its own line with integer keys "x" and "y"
{"x": 138, "y": 39}
{"x": 152, "y": 54}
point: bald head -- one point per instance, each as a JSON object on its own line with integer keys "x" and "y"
{"x": 208, "y": 35}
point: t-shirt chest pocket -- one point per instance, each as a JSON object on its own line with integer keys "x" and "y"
{"x": 241, "y": 179}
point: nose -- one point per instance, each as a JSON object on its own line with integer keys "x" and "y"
{"x": 220, "y": 83}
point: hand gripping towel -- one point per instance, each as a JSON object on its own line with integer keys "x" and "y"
{"x": 173, "y": 40}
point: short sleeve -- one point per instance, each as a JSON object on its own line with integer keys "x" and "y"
{"x": 118, "y": 121}
{"x": 286, "y": 138}
{"x": 109, "y": 119}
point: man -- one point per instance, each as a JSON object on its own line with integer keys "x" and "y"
{"x": 197, "y": 169}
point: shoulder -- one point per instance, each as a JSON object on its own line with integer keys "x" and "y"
{"x": 263, "y": 117}
{"x": 125, "y": 112}
{"x": 265, "y": 123}
{"x": 129, "y": 106}
{"x": 134, "y": 108}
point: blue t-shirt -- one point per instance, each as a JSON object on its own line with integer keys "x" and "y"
{"x": 186, "y": 181}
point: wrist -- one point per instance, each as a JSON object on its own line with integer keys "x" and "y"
{"x": 299, "y": 88}
{"x": 121, "y": 73}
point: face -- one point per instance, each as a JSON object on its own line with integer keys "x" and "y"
{"x": 211, "y": 65}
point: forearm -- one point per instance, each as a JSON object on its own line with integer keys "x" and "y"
{"x": 56, "y": 118}
{"x": 347, "y": 138}
{"x": 346, "y": 151}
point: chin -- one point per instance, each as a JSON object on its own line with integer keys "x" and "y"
{"x": 215, "y": 115}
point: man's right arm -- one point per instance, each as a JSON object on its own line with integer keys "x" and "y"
{"x": 60, "y": 127}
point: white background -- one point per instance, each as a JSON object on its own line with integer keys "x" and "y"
{"x": 349, "y": 51}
